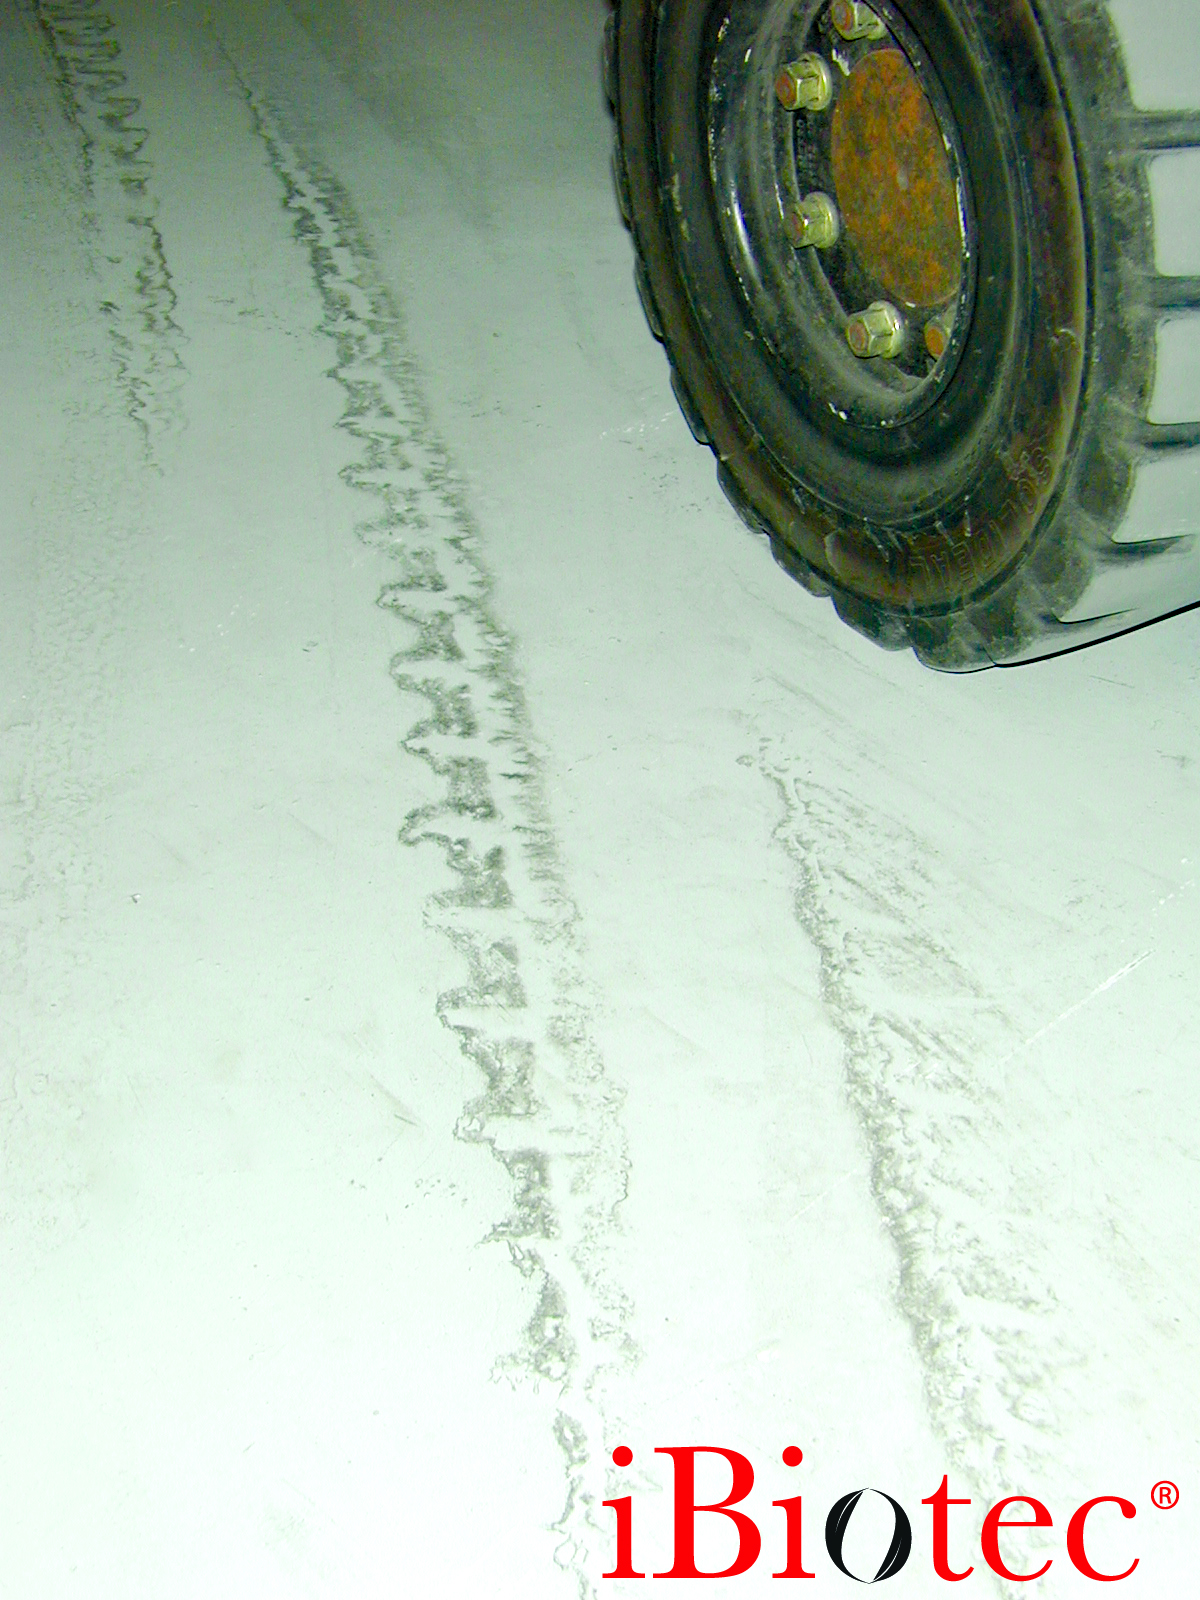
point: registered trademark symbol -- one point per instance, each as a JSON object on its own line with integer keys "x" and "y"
{"x": 1165, "y": 1495}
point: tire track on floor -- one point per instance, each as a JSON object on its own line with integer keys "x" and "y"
{"x": 546, "y": 1110}
{"x": 71, "y": 526}
{"x": 949, "y": 1134}
{"x": 136, "y": 294}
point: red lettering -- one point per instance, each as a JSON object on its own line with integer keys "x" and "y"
{"x": 941, "y": 1500}
{"x": 1075, "y": 1547}
{"x": 749, "y": 1538}
{"x": 795, "y": 1555}
{"x": 992, "y": 1523}
{"x": 624, "y": 1567}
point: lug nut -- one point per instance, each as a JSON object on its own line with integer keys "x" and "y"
{"x": 877, "y": 331}
{"x": 855, "y": 21}
{"x": 805, "y": 84}
{"x": 813, "y": 222}
{"x": 937, "y": 336}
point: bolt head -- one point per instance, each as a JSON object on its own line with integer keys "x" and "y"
{"x": 877, "y": 331}
{"x": 937, "y": 337}
{"x": 856, "y": 21}
{"x": 805, "y": 84}
{"x": 814, "y": 222}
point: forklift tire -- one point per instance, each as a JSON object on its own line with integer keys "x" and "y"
{"x": 902, "y": 261}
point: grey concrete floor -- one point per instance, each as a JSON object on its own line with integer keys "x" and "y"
{"x": 491, "y": 970}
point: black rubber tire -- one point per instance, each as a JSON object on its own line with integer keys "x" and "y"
{"x": 1050, "y": 515}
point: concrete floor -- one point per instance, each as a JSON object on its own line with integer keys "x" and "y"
{"x": 491, "y": 970}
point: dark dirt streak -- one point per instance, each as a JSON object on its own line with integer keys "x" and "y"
{"x": 137, "y": 295}
{"x": 546, "y": 1110}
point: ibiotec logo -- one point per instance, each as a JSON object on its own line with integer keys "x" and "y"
{"x": 1013, "y": 1511}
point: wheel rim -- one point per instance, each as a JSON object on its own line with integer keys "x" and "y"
{"x": 880, "y": 161}
{"x": 917, "y": 487}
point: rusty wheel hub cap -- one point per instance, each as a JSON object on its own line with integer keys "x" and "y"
{"x": 881, "y": 220}
{"x": 893, "y": 183}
